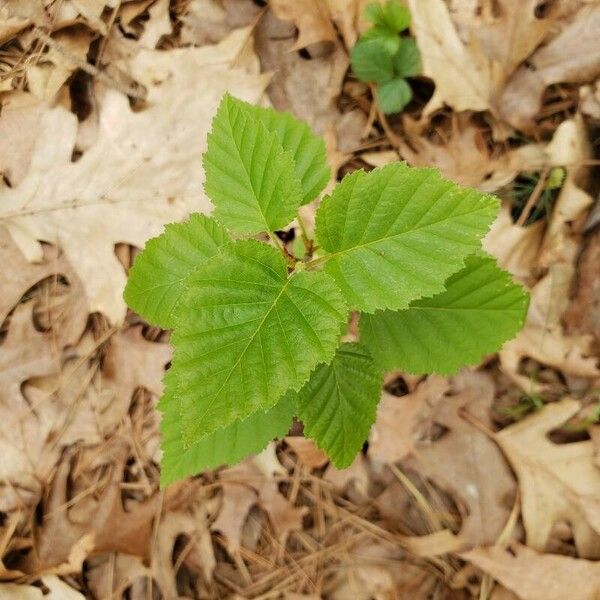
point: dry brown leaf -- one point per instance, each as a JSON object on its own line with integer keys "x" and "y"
{"x": 534, "y": 576}
{"x": 583, "y": 314}
{"x": 372, "y": 572}
{"x": 25, "y": 354}
{"x": 517, "y": 248}
{"x": 309, "y": 456}
{"x": 356, "y": 474}
{"x": 466, "y": 463}
{"x": 48, "y": 75}
{"x": 20, "y": 116}
{"x": 510, "y": 30}
{"x": 543, "y": 338}
{"x": 158, "y": 24}
{"x": 283, "y": 515}
{"x": 462, "y": 75}
{"x": 569, "y": 147}
{"x": 111, "y": 526}
{"x": 142, "y": 171}
{"x": 131, "y": 362}
{"x": 590, "y": 100}
{"x": 573, "y": 56}
{"x": 314, "y": 103}
{"x": 238, "y": 499}
{"x": 558, "y": 482}
{"x": 311, "y": 17}
{"x": 209, "y": 21}
{"x": 395, "y": 432}
{"x": 57, "y": 590}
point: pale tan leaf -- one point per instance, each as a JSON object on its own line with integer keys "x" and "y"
{"x": 394, "y": 434}
{"x": 143, "y": 171}
{"x": 309, "y": 456}
{"x": 466, "y": 463}
{"x": 534, "y": 576}
{"x": 462, "y": 74}
{"x": 558, "y": 482}
{"x": 311, "y": 17}
{"x": 572, "y": 56}
{"x": 517, "y": 248}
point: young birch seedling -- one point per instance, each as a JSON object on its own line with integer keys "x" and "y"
{"x": 257, "y": 332}
{"x": 384, "y": 58}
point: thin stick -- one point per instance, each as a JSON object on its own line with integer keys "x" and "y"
{"x": 535, "y": 196}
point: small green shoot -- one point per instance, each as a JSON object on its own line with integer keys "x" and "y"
{"x": 384, "y": 58}
{"x": 523, "y": 188}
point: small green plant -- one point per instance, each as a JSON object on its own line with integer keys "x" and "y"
{"x": 384, "y": 58}
{"x": 257, "y": 329}
{"x": 524, "y": 187}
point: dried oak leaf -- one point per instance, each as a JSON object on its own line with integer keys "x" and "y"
{"x": 109, "y": 525}
{"x": 558, "y": 482}
{"x": 394, "y": 434}
{"x": 543, "y": 338}
{"x": 466, "y": 463}
{"x": 534, "y": 576}
{"x": 141, "y": 172}
{"x": 64, "y": 306}
{"x": 510, "y": 30}
{"x": 311, "y": 18}
{"x": 288, "y": 90}
{"x": 131, "y": 362}
{"x": 56, "y": 588}
{"x": 573, "y": 56}
{"x": 462, "y": 74}
{"x": 25, "y": 354}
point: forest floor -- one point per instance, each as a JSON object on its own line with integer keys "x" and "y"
{"x": 485, "y": 485}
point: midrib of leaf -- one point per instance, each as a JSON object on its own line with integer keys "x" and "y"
{"x": 330, "y": 255}
{"x": 243, "y": 352}
{"x": 248, "y": 175}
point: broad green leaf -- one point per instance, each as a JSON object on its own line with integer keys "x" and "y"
{"x": 247, "y": 333}
{"x": 392, "y": 15}
{"x": 249, "y": 176}
{"x": 371, "y": 61}
{"x": 339, "y": 402}
{"x": 480, "y": 309}
{"x": 397, "y": 233}
{"x": 156, "y": 279}
{"x": 393, "y": 95}
{"x": 225, "y": 446}
{"x": 396, "y": 16}
{"x": 374, "y": 13}
{"x": 407, "y": 60}
{"x": 389, "y": 39}
{"x": 307, "y": 149}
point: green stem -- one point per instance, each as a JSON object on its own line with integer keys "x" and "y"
{"x": 303, "y": 230}
{"x": 289, "y": 259}
{"x": 315, "y": 262}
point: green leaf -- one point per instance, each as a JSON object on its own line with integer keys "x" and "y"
{"x": 371, "y": 61}
{"x": 229, "y": 445}
{"x": 338, "y": 404}
{"x": 407, "y": 60}
{"x": 397, "y": 233}
{"x": 386, "y": 37}
{"x": 307, "y": 149}
{"x": 392, "y": 15}
{"x": 393, "y": 95}
{"x": 249, "y": 176}
{"x": 480, "y": 309}
{"x": 374, "y": 13}
{"x": 157, "y": 277}
{"x": 247, "y": 333}
{"x": 396, "y": 16}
